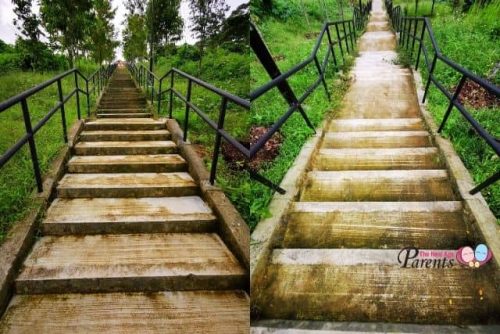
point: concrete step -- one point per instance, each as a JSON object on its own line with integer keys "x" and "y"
{"x": 376, "y": 139}
{"x": 121, "y": 111}
{"x": 126, "y": 185}
{"x": 126, "y": 124}
{"x": 124, "y": 115}
{"x": 125, "y": 147}
{"x": 370, "y": 285}
{"x": 128, "y": 215}
{"x": 380, "y": 108}
{"x": 224, "y": 312}
{"x": 123, "y": 135}
{"x": 122, "y": 105}
{"x": 376, "y": 225}
{"x": 127, "y": 163}
{"x": 377, "y": 159}
{"x": 130, "y": 262}
{"x": 377, "y": 41}
{"x": 386, "y": 185}
{"x": 366, "y": 124}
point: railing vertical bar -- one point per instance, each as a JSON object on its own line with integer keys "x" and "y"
{"x": 63, "y": 112}
{"x": 77, "y": 97}
{"x": 450, "y": 106}
{"x": 171, "y": 96}
{"x": 218, "y": 137}
{"x": 32, "y": 145}
{"x": 186, "y": 117}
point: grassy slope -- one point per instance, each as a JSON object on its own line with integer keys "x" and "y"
{"x": 289, "y": 41}
{"x": 16, "y": 177}
{"x": 473, "y": 41}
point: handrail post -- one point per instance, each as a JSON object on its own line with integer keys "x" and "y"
{"x": 322, "y": 76}
{"x": 331, "y": 46}
{"x": 159, "y": 97}
{"x": 186, "y": 117}
{"x": 88, "y": 97}
{"x": 345, "y": 37}
{"x": 351, "y": 33}
{"x": 32, "y": 145}
{"x": 450, "y": 106}
{"x": 414, "y": 38}
{"x": 63, "y": 113}
{"x": 340, "y": 42}
{"x": 427, "y": 85}
{"x": 220, "y": 126}
{"x": 171, "y": 106}
{"x": 420, "y": 45}
{"x": 77, "y": 97}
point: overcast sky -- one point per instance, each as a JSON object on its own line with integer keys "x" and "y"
{"x": 8, "y": 31}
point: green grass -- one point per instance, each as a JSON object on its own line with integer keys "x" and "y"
{"x": 472, "y": 40}
{"x": 290, "y": 38}
{"x": 17, "y": 180}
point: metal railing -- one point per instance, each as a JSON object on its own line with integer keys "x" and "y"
{"x": 413, "y": 32}
{"x": 154, "y": 87}
{"x": 340, "y": 34}
{"x": 93, "y": 85}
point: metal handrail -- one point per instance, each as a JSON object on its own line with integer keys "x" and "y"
{"x": 414, "y": 29}
{"x": 98, "y": 79}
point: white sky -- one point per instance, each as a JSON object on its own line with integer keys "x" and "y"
{"x": 8, "y": 31}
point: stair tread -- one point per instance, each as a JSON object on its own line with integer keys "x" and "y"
{"x": 127, "y": 121}
{"x": 147, "y": 210}
{"x": 411, "y": 175}
{"x": 126, "y": 257}
{"x": 127, "y": 159}
{"x": 377, "y": 134}
{"x": 126, "y": 180}
{"x": 161, "y": 312}
{"x": 371, "y": 124}
{"x": 370, "y": 285}
{"x": 139, "y": 143}
{"x": 124, "y": 132}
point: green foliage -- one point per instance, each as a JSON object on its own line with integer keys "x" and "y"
{"x": 472, "y": 40}
{"x": 134, "y": 38}
{"x": 102, "y": 43}
{"x": 164, "y": 17}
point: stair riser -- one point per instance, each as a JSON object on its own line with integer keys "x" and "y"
{"x": 127, "y": 115}
{"x": 121, "y": 111}
{"x": 131, "y": 105}
{"x": 124, "y": 126}
{"x": 397, "y": 229}
{"x": 114, "y": 227}
{"x": 133, "y": 284}
{"x": 127, "y": 168}
{"x": 130, "y": 192}
{"x": 378, "y": 190}
{"x": 357, "y": 162}
{"x": 340, "y": 126}
{"x": 124, "y": 137}
{"x": 123, "y": 150}
{"x": 376, "y": 142}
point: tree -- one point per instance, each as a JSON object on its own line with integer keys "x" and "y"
{"x": 135, "y": 37}
{"x": 164, "y": 23}
{"x": 207, "y": 17}
{"x": 102, "y": 43}
{"x": 68, "y": 24}
{"x": 235, "y": 32}
{"x": 28, "y": 24}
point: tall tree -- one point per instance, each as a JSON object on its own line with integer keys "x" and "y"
{"x": 28, "y": 24}
{"x": 102, "y": 35}
{"x": 68, "y": 24}
{"x": 207, "y": 17}
{"x": 164, "y": 22}
{"x": 135, "y": 37}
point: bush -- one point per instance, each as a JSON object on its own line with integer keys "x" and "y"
{"x": 9, "y": 62}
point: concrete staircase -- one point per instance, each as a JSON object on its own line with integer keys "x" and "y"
{"x": 128, "y": 245}
{"x": 376, "y": 184}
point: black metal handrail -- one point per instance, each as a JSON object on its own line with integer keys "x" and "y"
{"x": 341, "y": 33}
{"x": 98, "y": 80}
{"x": 415, "y": 29}
{"x": 153, "y": 86}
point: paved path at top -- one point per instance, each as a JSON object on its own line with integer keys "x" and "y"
{"x": 376, "y": 184}
{"x": 128, "y": 245}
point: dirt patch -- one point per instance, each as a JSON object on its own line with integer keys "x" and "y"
{"x": 310, "y": 35}
{"x": 268, "y": 152}
{"x": 200, "y": 150}
{"x": 477, "y": 97}
{"x": 279, "y": 57}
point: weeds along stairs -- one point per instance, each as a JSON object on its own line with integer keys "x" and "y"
{"x": 128, "y": 245}
{"x": 376, "y": 184}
